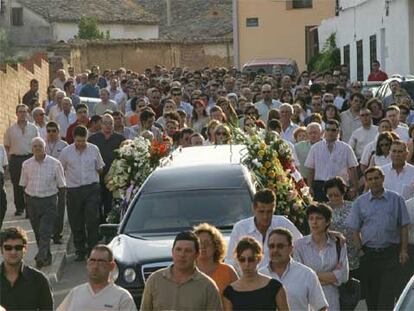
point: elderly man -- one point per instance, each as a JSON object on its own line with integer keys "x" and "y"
{"x": 100, "y": 292}
{"x": 17, "y": 141}
{"x": 399, "y": 175}
{"x": 39, "y": 118}
{"x": 393, "y": 114}
{"x": 42, "y": 178}
{"x": 107, "y": 141}
{"x": 191, "y": 289}
{"x": 260, "y": 225}
{"x": 329, "y": 158}
{"x": 66, "y": 117}
{"x": 288, "y": 127}
{"x": 314, "y": 135}
{"x": 56, "y": 108}
{"x": 389, "y": 100}
{"x": 380, "y": 220}
{"x": 60, "y": 79}
{"x": 83, "y": 163}
{"x": 267, "y": 103}
{"x": 304, "y": 295}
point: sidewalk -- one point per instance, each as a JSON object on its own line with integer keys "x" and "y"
{"x": 59, "y": 252}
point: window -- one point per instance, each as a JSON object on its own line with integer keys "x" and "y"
{"x": 311, "y": 42}
{"x": 252, "y": 22}
{"x": 346, "y": 55}
{"x": 372, "y": 48}
{"x": 360, "y": 61}
{"x": 17, "y": 16}
{"x": 299, "y": 4}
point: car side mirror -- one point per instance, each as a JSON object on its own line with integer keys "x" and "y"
{"x": 108, "y": 231}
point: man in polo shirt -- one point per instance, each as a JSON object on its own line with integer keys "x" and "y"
{"x": 21, "y": 286}
{"x": 304, "y": 295}
{"x": 83, "y": 163}
{"x": 18, "y": 144}
{"x": 42, "y": 178}
{"x": 260, "y": 225}
{"x": 190, "y": 289}
{"x": 81, "y": 119}
{"x": 99, "y": 293}
{"x": 107, "y": 141}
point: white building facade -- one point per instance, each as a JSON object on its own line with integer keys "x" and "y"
{"x": 373, "y": 29}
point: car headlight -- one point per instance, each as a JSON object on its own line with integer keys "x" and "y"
{"x": 115, "y": 273}
{"x": 129, "y": 275}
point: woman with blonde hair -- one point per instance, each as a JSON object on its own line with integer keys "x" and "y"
{"x": 222, "y": 135}
{"x": 228, "y": 110}
{"x": 212, "y": 252}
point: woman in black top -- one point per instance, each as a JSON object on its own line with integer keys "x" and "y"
{"x": 253, "y": 291}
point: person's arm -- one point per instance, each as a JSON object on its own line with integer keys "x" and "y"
{"x": 316, "y": 296}
{"x": 227, "y": 305}
{"x": 326, "y": 278}
{"x": 404, "y": 244}
{"x": 281, "y": 300}
{"x": 353, "y": 175}
{"x": 410, "y": 152}
{"x": 213, "y": 301}
{"x": 45, "y": 295}
{"x": 146, "y": 302}
{"x": 127, "y": 303}
{"x": 356, "y": 236}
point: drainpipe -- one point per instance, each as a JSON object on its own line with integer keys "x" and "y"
{"x": 236, "y": 59}
{"x": 168, "y": 3}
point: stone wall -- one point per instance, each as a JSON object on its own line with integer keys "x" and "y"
{"x": 15, "y": 82}
{"x": 138, "y": 55}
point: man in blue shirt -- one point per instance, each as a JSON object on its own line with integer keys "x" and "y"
{"x": 90, "y": 89}
{"x": 379, "y": 219}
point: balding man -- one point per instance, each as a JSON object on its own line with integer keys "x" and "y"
{"x": 288, "y": 127}
{"x": 42, "y": 178}
{"x": 60, "y": 79}
{"x": 66, "y": 117}
{"x": 267, "y": 103}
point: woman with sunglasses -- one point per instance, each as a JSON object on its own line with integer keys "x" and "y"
{"x": 318, "y": 251}
{"x": 381, "y": 156}
{"x": 222, "y": 135}
{"x": 253, "y": 291}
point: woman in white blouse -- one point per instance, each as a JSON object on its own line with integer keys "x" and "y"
{"x": 381, "y": 156}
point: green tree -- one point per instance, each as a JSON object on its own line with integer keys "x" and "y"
{"x": 88, "y": 29}
{"x": 328, "y": 58}
{"x": 7, "y": 51}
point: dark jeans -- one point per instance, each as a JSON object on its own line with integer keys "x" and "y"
{"x": 3, "y": 200}
{"x": 106, "y": 202}
{"x": 380, "y": 277}
{"x": 83, "y": 214}
{"x": 318, "y": 193}
{"x": 15, "y": 168}
{"x": 61, "y": 205}
{"x": 42, "y": 214}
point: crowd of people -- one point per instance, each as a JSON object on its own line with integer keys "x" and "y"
{"x": 354, "y": 150}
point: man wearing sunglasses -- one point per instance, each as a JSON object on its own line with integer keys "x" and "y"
{"x": 304, "y": 295}
{"x": 21, "y": 286}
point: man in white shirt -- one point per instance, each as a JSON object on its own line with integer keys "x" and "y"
{"x": 260, "y": 225}
{"x": 329, "y": 158}
{"x": 83, "y": 164}
{"x": 267, "y": 103}
{"x": 288, "y": 127}
{"x": 350, "y": 120}
{"x": 66, "y": 117}
{"x": 393, "y": 114}
{"x": 99, "y": 293}
{"x": 306, "y": 294}
{"x": 363, "y": 135}
{"x": 42, "y": 178}
{"x": 399, "y": 175}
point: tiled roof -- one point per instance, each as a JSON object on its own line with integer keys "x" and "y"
{"x": 105, "y": 11}
{"x": 192, "y": 19}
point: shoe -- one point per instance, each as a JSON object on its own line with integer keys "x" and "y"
{"x": 80, "y": 257}
{"x": 18, "y": 213}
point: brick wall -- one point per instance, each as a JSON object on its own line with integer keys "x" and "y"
{"x": 138, "y": 55}
{"x": 15, "y": 82}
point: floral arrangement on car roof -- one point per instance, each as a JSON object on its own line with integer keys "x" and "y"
{"x": 135, "y": 160}
{"x": 270, "y": 160}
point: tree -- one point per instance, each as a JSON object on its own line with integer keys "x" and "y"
{"x": 7, "y": 53}
{"x": 329, "y": 58}
{"x": 88, "y": 29}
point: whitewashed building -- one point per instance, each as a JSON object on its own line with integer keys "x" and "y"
{"x": 41, "y": 22}
{"x": 373, "y": 29}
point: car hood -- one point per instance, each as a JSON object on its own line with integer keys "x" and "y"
{"x": 133, "y": 249}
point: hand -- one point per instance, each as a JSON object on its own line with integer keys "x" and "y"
{"x": 352, "y": 193}
{"x": 337, "y": 235}
{"x": 403, "y": 257}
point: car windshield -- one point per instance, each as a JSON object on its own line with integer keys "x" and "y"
{"x": 175, "y": 211}
{"x": 270, "y": 69}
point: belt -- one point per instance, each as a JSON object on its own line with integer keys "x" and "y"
{"x": 38, "y": 198}
{"x": 379, "y": 250}
{"x": 84, "y": 186}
